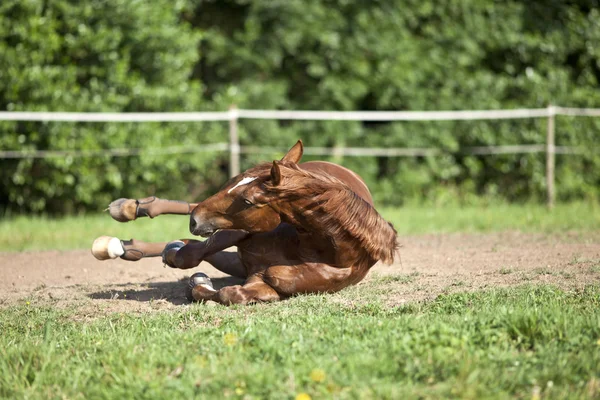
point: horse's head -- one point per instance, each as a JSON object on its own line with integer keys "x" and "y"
{"x": 244, "y": 203}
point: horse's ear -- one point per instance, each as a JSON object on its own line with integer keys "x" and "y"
{"x": 275, "y": 174}
{"x": 295, "y": 153}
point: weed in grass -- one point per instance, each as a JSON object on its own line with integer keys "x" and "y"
{"x": 397, "y": 278}
{"x": 576, "y": 260}
{"x": 506, "y": 270}
{"x": 595, "y": 268}
{"x": 567, "y": 275}
{"x": 543, "y": 271}
{"x": 525, "y": 277}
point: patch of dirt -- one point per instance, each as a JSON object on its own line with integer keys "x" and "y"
{"x": 430, "y": 265}
{"x": 439, "y": 264}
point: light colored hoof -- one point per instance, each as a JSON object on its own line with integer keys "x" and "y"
{"x": 107, "y": 247}
{"x": 123, "y": 210}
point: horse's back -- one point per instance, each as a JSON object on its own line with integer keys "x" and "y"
{"x": 350, "y": 178}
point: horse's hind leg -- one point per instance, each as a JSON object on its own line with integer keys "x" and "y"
{"x": 124, "y": 210}
{"x": 253, "y": 291}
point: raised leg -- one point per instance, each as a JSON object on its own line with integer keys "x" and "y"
{"x": 125, "y": 210}
{"x": 183, "y": 254}
{"x": 106, "y": 247}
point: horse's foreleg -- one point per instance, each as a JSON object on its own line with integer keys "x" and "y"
{"x": 106, "y": 247}
{"x": 183, "y": 254}
{"x": 253, "y": 291}
{"x": 124, "y": 210}
{"x": 210, "y": 250}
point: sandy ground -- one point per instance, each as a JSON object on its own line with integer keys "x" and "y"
{"x": 430, "y": 265}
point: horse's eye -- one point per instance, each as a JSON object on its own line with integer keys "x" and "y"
{"x": 248, "y": 202}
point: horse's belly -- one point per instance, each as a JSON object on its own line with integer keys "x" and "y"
{"x": 263, "y": 250}
{"x": 315, "y": 259}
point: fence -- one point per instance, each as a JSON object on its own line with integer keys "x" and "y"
{"x": 234, "y": 148}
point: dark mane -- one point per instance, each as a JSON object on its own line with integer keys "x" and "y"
{"x": 337, "y": 210}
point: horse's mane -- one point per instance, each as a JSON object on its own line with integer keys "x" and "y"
{"x": 339, "y": 212}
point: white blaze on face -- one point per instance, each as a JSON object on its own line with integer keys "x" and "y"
{"x": 244, "y": 181}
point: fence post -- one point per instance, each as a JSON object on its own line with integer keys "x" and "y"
{"x": 234, "y": 142}
{"x": 550, "y": 157}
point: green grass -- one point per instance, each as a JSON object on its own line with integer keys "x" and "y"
{"x": 39, "y": 233}
{"x": 527, "y": 217}
{"x": 496, "y": 344}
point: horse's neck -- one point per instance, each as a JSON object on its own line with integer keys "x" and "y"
{"x": 355, "y": 228}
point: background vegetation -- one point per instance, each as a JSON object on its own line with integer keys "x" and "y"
{"x": 128, "y": 55}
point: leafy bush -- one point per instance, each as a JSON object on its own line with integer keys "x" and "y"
{"x": 416, "y": 55}
{"x": 116, "y": 55}
{"x": 123, "y": 55}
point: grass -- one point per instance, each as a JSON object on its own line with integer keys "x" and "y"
{"x": 525, "y": 217}
{"x": 41, "y": 233}
{"x": 519, "y": 342}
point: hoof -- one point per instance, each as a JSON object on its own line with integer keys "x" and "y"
{"x": 106, "y": 247}
{"x": 198, "y": 279}
{"x": 123, "y": 210}
{"x": 169, "y": 252}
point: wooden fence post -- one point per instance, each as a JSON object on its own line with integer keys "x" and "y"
{"x": 550, "y": 157}
{"x": 234, "y": 142}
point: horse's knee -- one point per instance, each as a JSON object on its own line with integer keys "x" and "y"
{"x": 184, "y": 257}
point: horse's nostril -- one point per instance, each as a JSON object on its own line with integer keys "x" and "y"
{"x": 192, "y": 224}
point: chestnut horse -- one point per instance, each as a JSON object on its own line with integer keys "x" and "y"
{"x": 298, "y": 228}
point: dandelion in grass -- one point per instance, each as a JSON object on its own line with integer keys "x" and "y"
{"x": 598, "y": 342}
{"x": 240, "y": 388}
{"x": 332, "y": 388}
{"x": 200, "y": 360}
{"x": 536, "y": 393}
{"x": 303, "y": 396}
{"x": 317, "y": 375}
{"x": 230, "y": 339}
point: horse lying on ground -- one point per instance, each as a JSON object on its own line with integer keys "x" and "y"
{"x": 298, "y": 228}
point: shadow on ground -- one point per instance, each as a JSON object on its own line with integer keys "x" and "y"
{"x": 173, "y": 292}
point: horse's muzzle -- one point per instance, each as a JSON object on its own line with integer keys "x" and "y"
{"x": 201, "y": 229}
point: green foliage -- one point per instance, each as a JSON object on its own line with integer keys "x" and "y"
{"x": 124, "y": 55}
{"x": 496, "y": 344}
{"x": 416, "y": 55}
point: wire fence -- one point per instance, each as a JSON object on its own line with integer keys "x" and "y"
{"x": 235, "y": 149}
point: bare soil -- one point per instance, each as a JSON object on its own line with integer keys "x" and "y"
{"x": 430, "y": 265}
